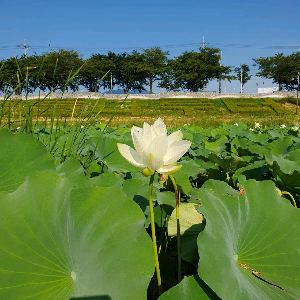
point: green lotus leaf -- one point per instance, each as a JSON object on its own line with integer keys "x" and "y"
{"x": 253, "y": 171}
{"x": 262, "y": 138}
{"x": 106, "y": 150}
{"x": 216, "y": 145}
{"x": 219, "y": 187}
{"x": 260, "y": 150}
{"x": 190, "y": 167}
{"x": 138, "y": 191}
{"x": 285, "y": 174}
{"x": 73, "y": 170}
{"x": 20, "y": 155}
{"x": 183, "y": 182}
{"x": 58, "y": 242}
{"x": 107, "y": 180}
{"x": 190, "y": 220}
{"x": 256, "y": 244}
{"x": 191, "y": 223}
{"x": 229, "y": 163}
{"x": 191, "y": 287}
{"x": 281, "y": 146}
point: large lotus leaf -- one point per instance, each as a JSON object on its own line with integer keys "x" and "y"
{"x": 295, "y": 155}
{"x": 285, "y": 174}
{"x": 190, "y": 220}
{"x": 57, "y": 242}
{"x": 261, "y": 138}
{"x": 183, "y": 182}
{"x": 253, "y": 171}
{"x": 138, "y": 191}
{"x": 249, "y": 248}
{"x": 219, "y": 187}
{"x": 228, "y": 163}
{"x": 190, "y": 167}
{"x": 241, "y": 145}
{"x": 190, "y": 288}
{"x": 191, "y": 223}
{"x": 281, "y": 146}
{"x": 107, "y": 180}
{"x": 73, "y": 170}
{"x": 260, "y": 150}
{"x": 20, "y": 155}
{"x": 106, "y": 150}
{"x": 217, "y": 145}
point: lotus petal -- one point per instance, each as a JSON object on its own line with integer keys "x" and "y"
{"x": 159, "y": 127}
{"x": 175, "y": 136}
{"x": 158, "y": 146}
{"x": 139, "y": 141}
{"x": 169, "y": 170}
{"x": 176, "y": 151}
{"x": 131, "y": 155}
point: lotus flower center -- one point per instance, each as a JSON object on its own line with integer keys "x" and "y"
{"x": 73, "y": 275}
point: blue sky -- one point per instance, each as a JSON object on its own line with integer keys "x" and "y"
{"x": 242, "y": 30}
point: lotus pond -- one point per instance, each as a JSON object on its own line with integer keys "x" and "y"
{"x": 76, "y": 220}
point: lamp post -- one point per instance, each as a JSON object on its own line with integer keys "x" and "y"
{"x": 111, "y": 81}
{"x": 241, "y": 79}
{"x": 297, "y": 95}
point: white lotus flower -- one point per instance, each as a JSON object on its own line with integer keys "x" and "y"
{"x": 236, "y": 124}
{"x": 295, "y": 128}
{"x": 256, "y": 125}
{"x": 154, "y": 149}
{"x": 282, "y": 126}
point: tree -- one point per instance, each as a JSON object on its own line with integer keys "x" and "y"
{"x": 154, "y": 64}
{"x": 193, "y": 70}
{"x": 93, "y": 70}
{"x": 128, "y": 73}
{"x": 242, "y": 74}
{"x": 281, "y": 69}
{"x": 57, "y": 68}
{"x": 17, "y": 73}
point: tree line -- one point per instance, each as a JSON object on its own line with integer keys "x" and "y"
{"x": 66, "y": 70}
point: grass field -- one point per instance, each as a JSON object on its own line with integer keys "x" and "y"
{"x": 176, "y": 112}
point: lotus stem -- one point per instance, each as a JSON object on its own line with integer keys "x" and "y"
{"x": 154, "y": 236}
{"x": 287, "y": 193}
{"x": 177, "y": 198}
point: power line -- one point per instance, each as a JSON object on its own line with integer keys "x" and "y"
{"x": 24, "y": 46}
{"x": 225, "y": 45}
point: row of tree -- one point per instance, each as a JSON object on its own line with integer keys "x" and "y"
{"x": 66, "y": 70}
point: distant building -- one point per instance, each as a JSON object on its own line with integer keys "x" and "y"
{"x": 118, "y": 92}
{"x": 268, "y": 90}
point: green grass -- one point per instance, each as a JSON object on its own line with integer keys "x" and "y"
{"x": 175, "y": 112}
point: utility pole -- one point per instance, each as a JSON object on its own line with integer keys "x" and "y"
{"x": 203, "y": 44}
{"x": 241, "y": 79}
{"x": 111, "y": 82}
{"x": 25, "y": 47}
{"x": 225, "y": 86}
{"x": 297, "y": 95}
{"x": 220, "y": 83}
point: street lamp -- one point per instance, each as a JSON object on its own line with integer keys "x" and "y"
{"x": 297, "y": 95}
{"x": 111, "y": 82}
{"x": 241, "y": 79}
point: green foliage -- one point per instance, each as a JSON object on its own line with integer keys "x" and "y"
{"x": 155, "y": 64}
{"x": 257, "y": 254}
{"x": 128, "y": 72}
{"x": 94, "y": 73}
{"x": 283, "y": 70}
{"x": 79, "y": 224}
{"x": 242, "y": 74}
{"x": 193, "y": 70}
